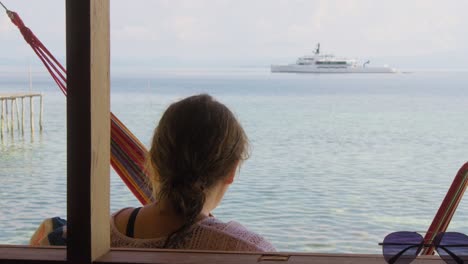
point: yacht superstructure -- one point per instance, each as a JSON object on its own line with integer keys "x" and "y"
{"x": 318, "y": 63}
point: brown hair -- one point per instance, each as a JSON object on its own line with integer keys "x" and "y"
{"x": 195, "y": 145}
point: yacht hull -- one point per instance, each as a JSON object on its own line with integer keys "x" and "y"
{"x": 294, "y": 68}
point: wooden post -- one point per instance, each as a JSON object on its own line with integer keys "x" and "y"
{"x": 22, "y": 115}
{"x": 12, "y": 121}
{"x": 88, "y": 129}
{"x": 17, "y": 115}
{"x": 31, "y": 113}
{"x": 40, "y": 113}
{"x": 7, "y": 122}
{"x": 2, "y": 117}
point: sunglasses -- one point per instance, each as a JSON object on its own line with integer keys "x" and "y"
{"x": 403, "y": 247}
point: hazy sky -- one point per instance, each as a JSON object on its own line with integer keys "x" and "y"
{"x": 250, "y": 30}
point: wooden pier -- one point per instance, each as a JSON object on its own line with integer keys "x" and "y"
{"x": 9, "y": 104}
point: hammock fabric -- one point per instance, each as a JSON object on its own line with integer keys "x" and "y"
{"x": 127, "y": 152}
{"x": 447, "y": 208}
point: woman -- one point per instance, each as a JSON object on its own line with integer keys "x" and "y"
{"x": 196, "y": 150}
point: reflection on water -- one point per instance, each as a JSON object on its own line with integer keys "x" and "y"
{"x": 337, "y": 161}
{"x": 19, "y": 140}
{"x": 24, "y": 190}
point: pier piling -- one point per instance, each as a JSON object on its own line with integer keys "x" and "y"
{"x": 12, "y": 112}
{"x": 22, "y": 115}
{"x": 2, "y": 118}
{"x": 31, "y": 113}
{"x": 17, "y": 115}
{"x": 41, "y": 113}
{"x": 8, "y": 115}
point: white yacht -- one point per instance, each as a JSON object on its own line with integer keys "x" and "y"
{"x": 319, "y": 63}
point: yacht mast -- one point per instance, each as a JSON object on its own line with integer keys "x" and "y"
{"x": 317, "y": 51}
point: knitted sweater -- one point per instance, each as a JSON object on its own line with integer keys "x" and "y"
{"x": 207, "y": 234}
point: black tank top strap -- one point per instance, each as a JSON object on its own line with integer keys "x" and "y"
{"x": 131, "y": 222}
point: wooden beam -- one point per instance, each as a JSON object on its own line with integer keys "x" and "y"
{"x": 88, "y": 129}
{"x": 100, "y": 119}
{"x": 23, "y": 254}
{"x": 148, "y": 256}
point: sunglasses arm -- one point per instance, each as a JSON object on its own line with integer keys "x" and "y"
{"x": 397, "y": 256}
{"x": 455, "y": 257}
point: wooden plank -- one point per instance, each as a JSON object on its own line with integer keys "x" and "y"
{"x": 23, "y": 254}
{"x": 88, "y": 129}
{"x": 154, "y": 256}
{"x": 158, "y": 256}
{"x": 18, "y": 95}
{"x": 355, "y": 258}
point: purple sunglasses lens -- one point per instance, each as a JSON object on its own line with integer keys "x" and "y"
{"x": 452, "y": 247}
{"x": 401, "y": 247}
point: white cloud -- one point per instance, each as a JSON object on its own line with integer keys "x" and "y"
{"x": 185, "y": 28}
{"x": 132, "y": 32}
{"x": 267, "y": 28}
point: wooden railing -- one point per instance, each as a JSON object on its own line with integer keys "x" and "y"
{"x": 18, "y": 254}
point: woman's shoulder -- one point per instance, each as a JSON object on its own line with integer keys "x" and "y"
{"x": 118, "y": 223}
{"x": 234, "y": 236}
{"x": 119, "y": 219}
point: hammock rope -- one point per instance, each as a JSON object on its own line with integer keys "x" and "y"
{"x": 6, "y": 9}
{"x": 128, "y": 154}
{"x": 447, "y": 209}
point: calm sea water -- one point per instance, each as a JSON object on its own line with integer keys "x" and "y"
{"x": 338, "y": 161}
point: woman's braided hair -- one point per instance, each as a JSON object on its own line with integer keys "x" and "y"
{"x": 197, "y": 142}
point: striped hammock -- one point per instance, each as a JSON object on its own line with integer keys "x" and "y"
{"x": 447, "y": 208}
{"x": 127, "y": 152}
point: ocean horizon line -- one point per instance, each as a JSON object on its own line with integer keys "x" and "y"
{"x": 18, "y": 72}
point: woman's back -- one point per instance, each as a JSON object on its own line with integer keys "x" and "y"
{"x": 206, "y": 234}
